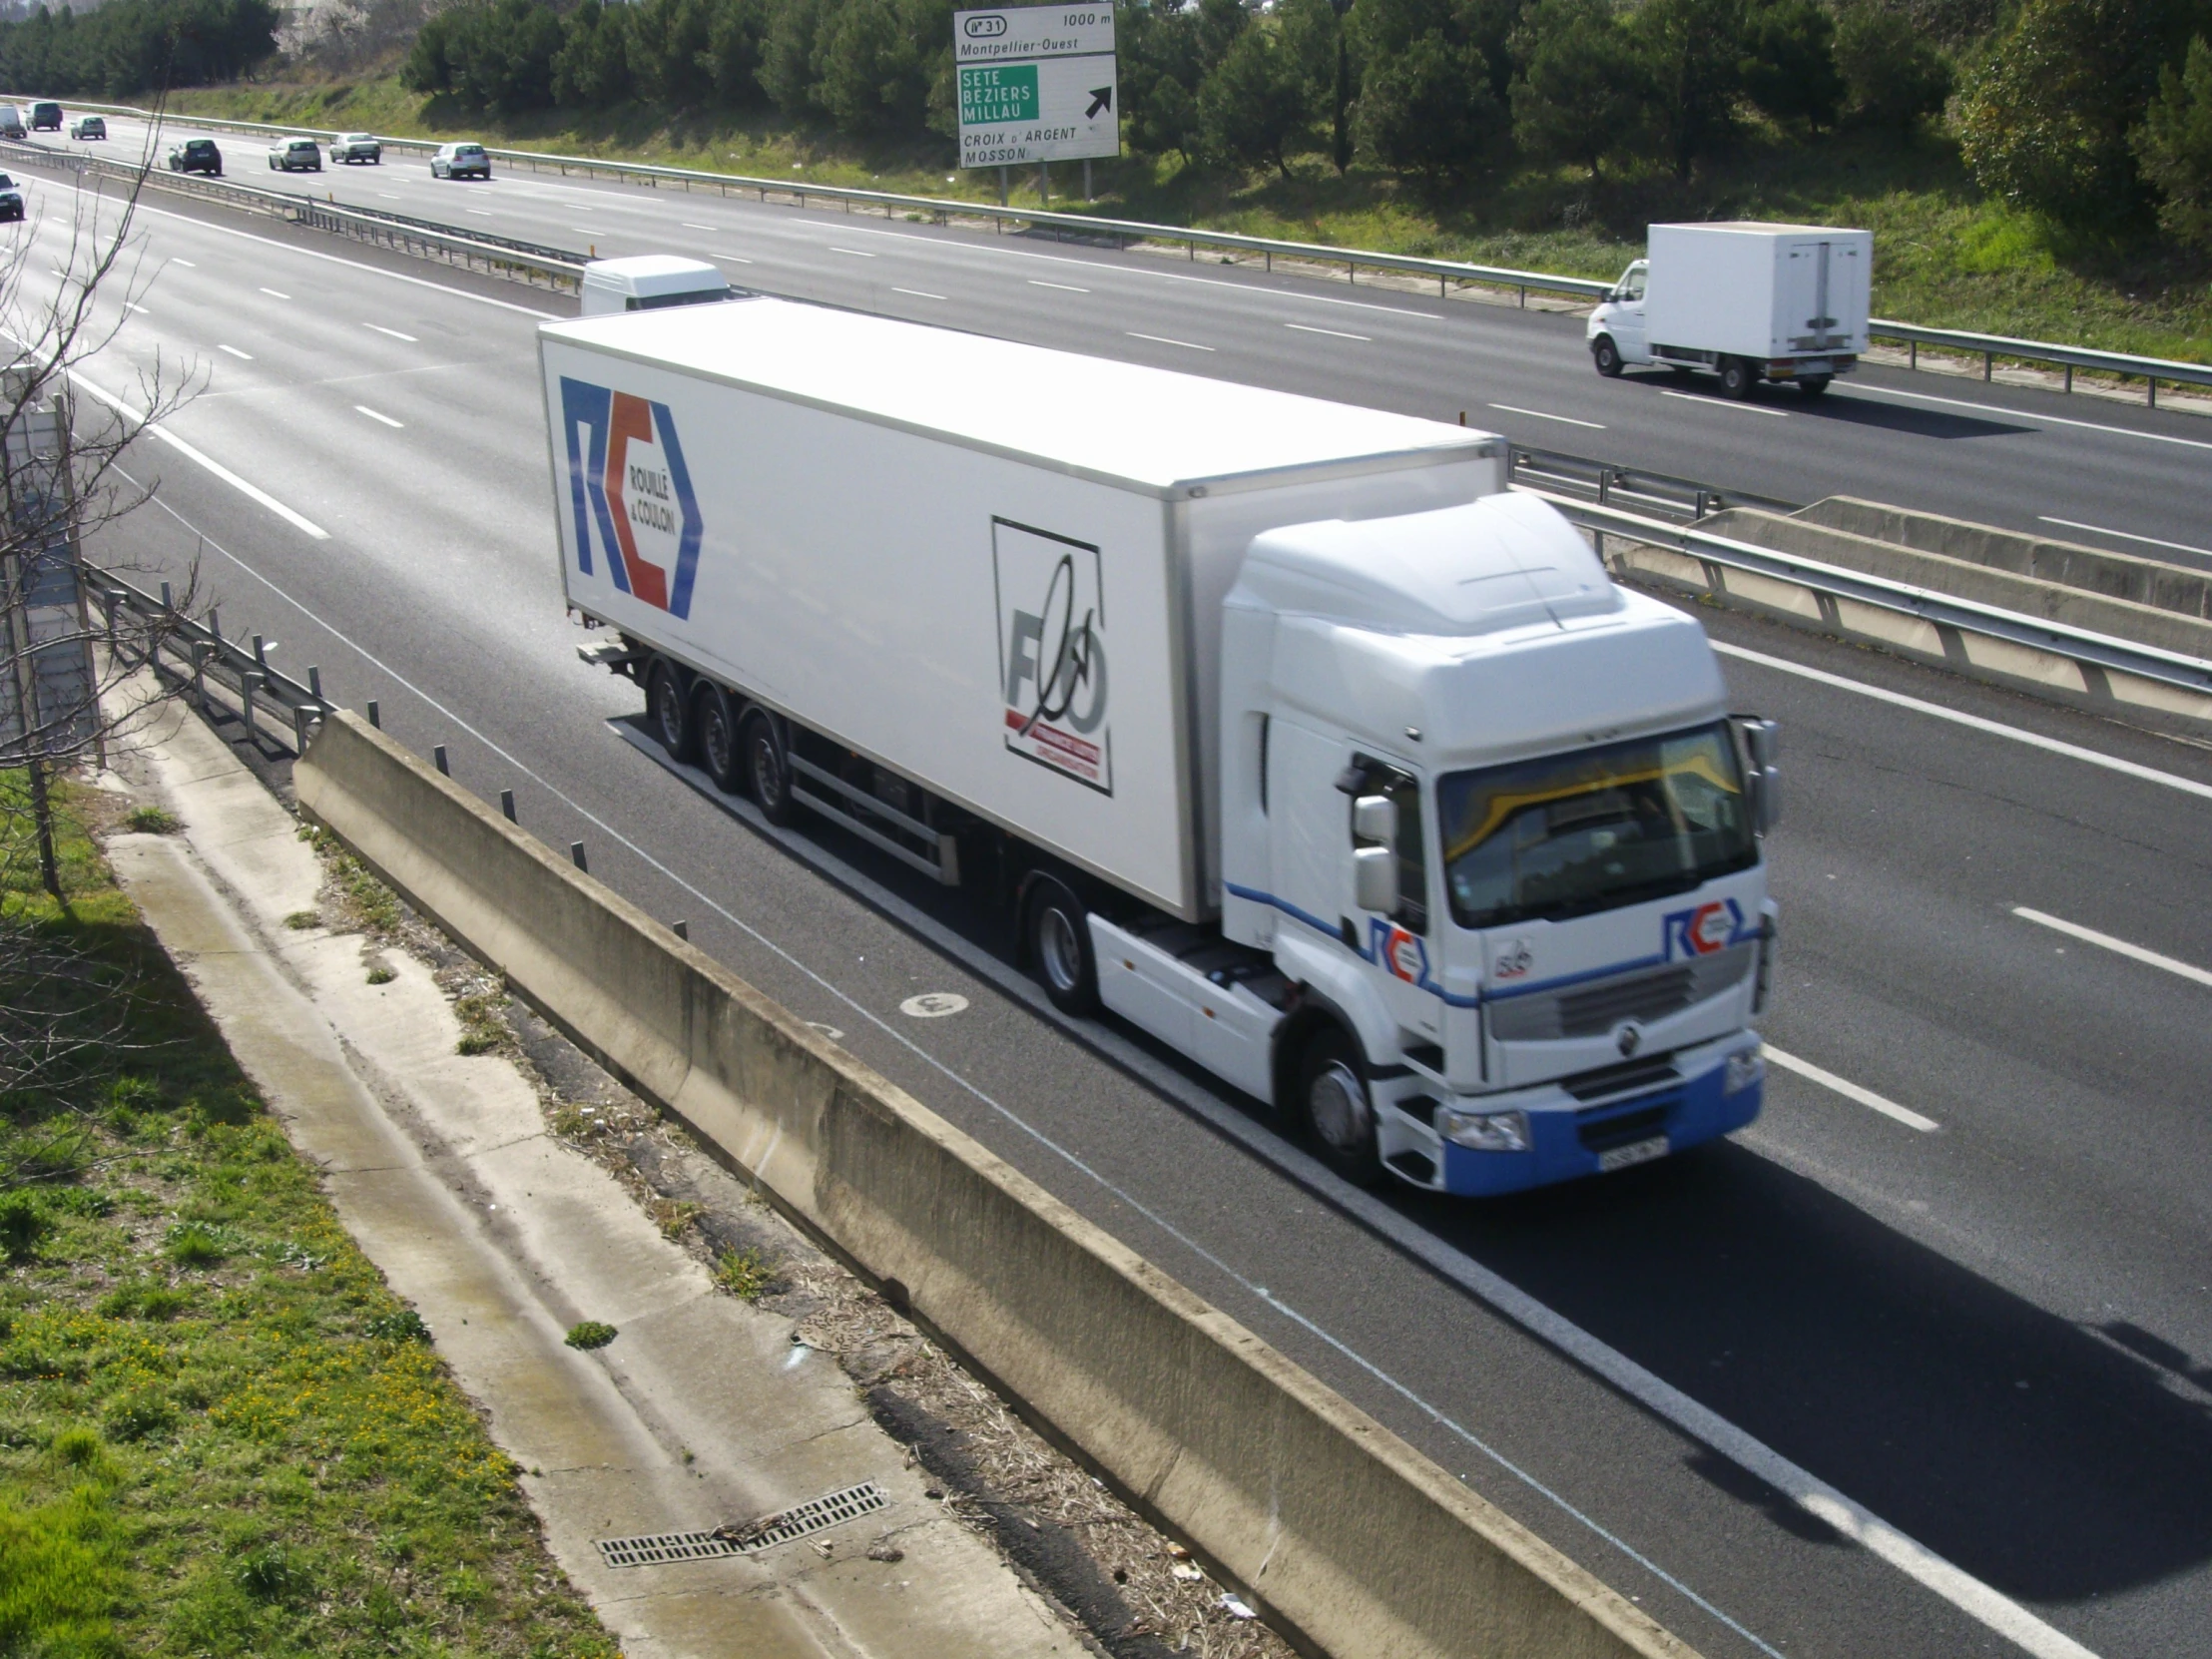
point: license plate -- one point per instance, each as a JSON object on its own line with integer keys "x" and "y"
{"x": 1634, "y": 1153}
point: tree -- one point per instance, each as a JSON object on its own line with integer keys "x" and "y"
{"x": 1790, "y": 66}
{"x": 869, "y": 68}
{"x": 592, "y": 68}
{"x": 2174, "y": 146}
{"x": 1253, "y": 104}
{"x": 1692, "y": 56}
{"x": 1162, "y": 54}
{"x": 1314, "y": 34}
{"x": 668, "y": 46}
{"x": 1892, "y": 75}
{"x": 1583, "y": 89}
{"x": 1428, "y": 110}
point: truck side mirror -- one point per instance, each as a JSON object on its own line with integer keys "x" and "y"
{"x": 1763, "y": 740}
{"x": 1375, "y": 878}
{"x": 1374, "y": 819}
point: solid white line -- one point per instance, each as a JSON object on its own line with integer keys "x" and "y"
{"x": 273, "y": 294}
{"x": 1064, "y": 288}
{"x": 253, "y": 491}
{"x": 1725, "y": 403}
{"x": 186, "y": 264}
{"x": 857, "y": 253}
{"x": 350, "y": 264}
{"x": 688, "y": 226}
{"x": 1863, "y": 389}
{"x": 2074, "y": 929}
{"x": 1538, "y": 415}
{"x": 394, "y": 333}
{"x": 1851, "y": 1091}
{"x": 242, "y": 356}
{"x": 730, "y": 258}
{"x": 918, "y": 293}
{"x": 480, "y": 213}
{"x": 2125, "y": 535}
{"x": 1162, "y": 340}
{"x": 363, "y": 408}
{"x": 1338, "y": 334}
{"x": 1936, "y": 711}
{"x": 133, "y": 305}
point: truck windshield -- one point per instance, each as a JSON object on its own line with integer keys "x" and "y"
{"x": 1572, "y": 833}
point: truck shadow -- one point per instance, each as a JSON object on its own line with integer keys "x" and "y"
{"x": 1841, "y": 405}
{"x": 2053, "y": 1460}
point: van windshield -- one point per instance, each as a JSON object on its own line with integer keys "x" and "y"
{"x": 691, "y": 296}
{"x": 1572, "y": 833}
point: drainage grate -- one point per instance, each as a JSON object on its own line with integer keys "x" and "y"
{"x": 750, "y": 1537}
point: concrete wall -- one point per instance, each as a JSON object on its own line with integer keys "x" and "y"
{"x": 2152, "y": 582}
{"x": 1347, "y": 1536}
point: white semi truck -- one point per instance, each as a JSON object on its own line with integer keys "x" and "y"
{"x": 1288, "y": 734}
{"x": 1743, "y": 301}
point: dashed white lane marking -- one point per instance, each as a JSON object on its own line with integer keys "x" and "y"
{"x": 1850, "y": 1090}
{"x": 1162, "y": 340}
{"x": 2125, "y": 535}
{"x": 363, "y": 408}
{"x": 2119, "y": 947}
{"x": 1338, "y": 334}
{"x": 857, "y": 253}
{"x": 394, "y": 333}
{"x": 2028, "y": 416}
{"x": 688, "y": 226}
{"x": 273, "y": 294}
{"x": 242, "y": 356}
{"x": 1725, "y": 403}
{"x": 1064, "y": 288}
{"x": 918, "y": 293}
{"x": 186, "y": 264}
{"x": 1936, "y": 711}
{"x": 133, "y": 305}
{"x": 1539, "y": 414}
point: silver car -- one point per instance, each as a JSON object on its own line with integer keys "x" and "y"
{"x": 295, "y": 156}
{"x": 460, "y": 160}
{"x": 357, "y": 147}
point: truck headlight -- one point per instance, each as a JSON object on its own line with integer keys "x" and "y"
{"x": 1744, "y": 1069}
{"x": 1485, "y": 1131}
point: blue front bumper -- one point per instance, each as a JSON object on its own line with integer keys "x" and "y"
{"x": 1569, "y": 1143}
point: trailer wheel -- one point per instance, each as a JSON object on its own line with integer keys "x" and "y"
{"x": 1336, "y": 1111}
{"x": 1606, "y": 356}
{"x": 717, "y": 738}
{"x": 1813, "y": 385}
{"x": 768, "y": 771}
{"x": 1057, "y": 932}
{"x": 668, "y": 711}
{"x": 1737, "y": 380}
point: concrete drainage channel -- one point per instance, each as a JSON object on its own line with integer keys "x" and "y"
{"x": 803, "y": 1520}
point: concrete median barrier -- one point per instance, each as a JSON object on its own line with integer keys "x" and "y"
{"x": 1350, "y": 1539}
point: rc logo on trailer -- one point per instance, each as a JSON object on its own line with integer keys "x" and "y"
{"x": 630, "y": 491}
{"x": 1699, "y": 932}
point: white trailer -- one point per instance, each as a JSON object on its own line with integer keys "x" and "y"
{"x": 1254, "y": 709}
{"x": 1747, "y": 302}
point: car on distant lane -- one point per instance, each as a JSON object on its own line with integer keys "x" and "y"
{"x": 196, "y": 155}
{"x": 87, "y": 128}
{"x": 11, "y": 121}
{"x": 11, "y": 198}
{"x": 46, "y": 116}
{"x": 295, "y": 156}
{"x": 460, "y": 160}
{"x": 357, "y": 147}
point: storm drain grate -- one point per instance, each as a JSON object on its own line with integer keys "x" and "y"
{"x": 750, "y": 1537}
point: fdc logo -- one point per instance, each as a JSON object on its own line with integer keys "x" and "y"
{"x": 1702, "y": 932}
{"x": 627, "y": 481}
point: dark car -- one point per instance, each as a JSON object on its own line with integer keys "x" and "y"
{"x": 196, "y": 155}
{"x": 460, "y": 160}
{"x": 11, "y": 198}
{"x": 46, "y": 118}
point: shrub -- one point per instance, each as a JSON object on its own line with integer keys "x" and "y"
{"x": 1892, "y": 75}
{"x": 269, "y": 1573}
{"x": 746, "y": 1274}
{"x": 24, "y": 1225}
{"x": 2174, "y": 147}
{"x": 152, "y": 821}
{"x": 404, "y": 1326}
{"x": 138, "y": 1413}
{"x": 590, "y": 1334}
{"x": 77, "y": 1448}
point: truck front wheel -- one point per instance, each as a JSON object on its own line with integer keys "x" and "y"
{"x": 1338, "y": 1111}
{"x": 1813, "y": 385}
{"x": 670, "y": 711}
{"x": 768, "y": 771}
{"x": 1737, "y": 380}
{"x": 1058, "y": 935}
{"x": 1606, "y": 356}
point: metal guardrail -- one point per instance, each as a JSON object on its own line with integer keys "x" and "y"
{"x": 558, "y": 267}
{"x": 1601, "y": 483}
{"x": 2080, "y": 644}
{"x": 2069, "y": 357}
{"x": 151, "y": 630}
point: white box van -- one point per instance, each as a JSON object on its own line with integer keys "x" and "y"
{"x": 650, "y": 282}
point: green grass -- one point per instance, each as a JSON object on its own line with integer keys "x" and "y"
{"x": 219, "y": 1432}
{"x": 1944, "y": 254}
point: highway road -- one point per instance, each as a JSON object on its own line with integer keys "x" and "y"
{"x": 2079, "y": 468}
{"x": 1957, "y": 1273}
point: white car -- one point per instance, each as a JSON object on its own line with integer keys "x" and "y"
{"x": 357, "y": 147}
{"x": 460, "y": 160}
{"x": 295, "y": 156}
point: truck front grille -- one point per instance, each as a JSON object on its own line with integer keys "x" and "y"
{"x": 1645, "y": 994}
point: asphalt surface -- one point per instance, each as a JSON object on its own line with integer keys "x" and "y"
{"x": 1995, "y": 1335}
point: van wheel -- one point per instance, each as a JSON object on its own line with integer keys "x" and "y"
{"x": 1736, "y": 378}
{"x": 668, "y": 711}
{"x": 768, "y": 771}
{"x": 1606, "y": 356}
{"x": 1335, "y": 1107}
{"x": 1057, "y": 933}
{"x": 1813, "y": 385}
{"x": 717, "y": 738}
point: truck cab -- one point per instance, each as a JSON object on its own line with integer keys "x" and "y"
{"x": 650, "y": 283}
{"x": 1490, "y": 820}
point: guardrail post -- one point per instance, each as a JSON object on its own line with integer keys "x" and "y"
{"x": 2151, "y": 382}
{"x": 2069, "y": 376}
{"x": 200, "y": 673}
{"x": 438, "y": 756}
{"x": 507, "y": 806}
{"x": 1605, "y": 484}
{"x": 1988, "y": 365}
{"x": 245, "y": 699}
{"x": 1913, "y": 358}
{"x": 375, "y": 715}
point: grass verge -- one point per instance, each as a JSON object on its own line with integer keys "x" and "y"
{"x": 219, "y": 1432}
{"x": 1944, "y": 254}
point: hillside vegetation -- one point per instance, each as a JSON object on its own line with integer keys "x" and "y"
{"x": 2029, "y": 166}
